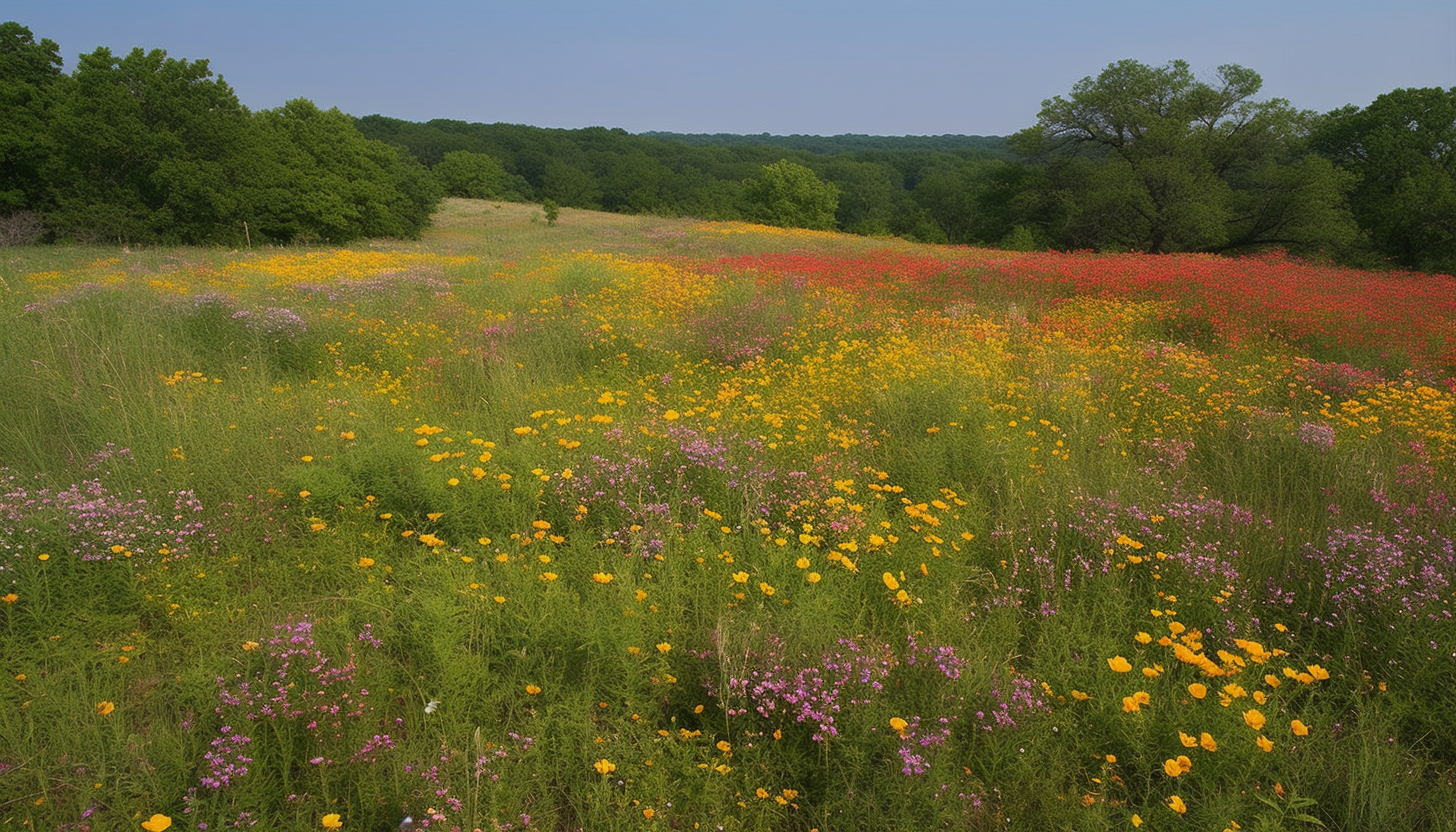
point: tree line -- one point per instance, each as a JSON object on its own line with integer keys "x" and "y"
{"x": 145, "y": 148}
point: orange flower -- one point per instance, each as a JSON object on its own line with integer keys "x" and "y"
{"x": 1299, "y": 728}
{"x": 1197, "y": 690}
{"x": 1119, "y": 664}
{"x": 1176, "y": 804}
{"x": 105, "y": 707}
{"x": 156, "y": 823}
{"x": 1254, "y": 719}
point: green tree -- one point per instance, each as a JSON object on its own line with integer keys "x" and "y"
{"x": 1153, "y": 159}
{"x": 476, "y": 176}
{"x": 790, "y": 195}
{"x": 28, "y": 71}
{"x": 1402, "y": 148}
{"x": 326, "y": 181}
{"x": 143, "y": 144}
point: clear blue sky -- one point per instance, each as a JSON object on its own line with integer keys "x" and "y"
{"x": 893, "y": 67}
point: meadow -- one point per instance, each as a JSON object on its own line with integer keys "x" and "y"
{"x": 642, "y": 523}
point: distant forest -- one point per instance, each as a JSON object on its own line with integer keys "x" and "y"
{"x": 144, "y": 148}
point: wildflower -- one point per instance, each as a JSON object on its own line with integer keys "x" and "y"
{"x": 740, "y": 577}
{"x": 1197, "y": 690}
{"x": 331, "y": 821}
{"x": 1317, "y": 672}
{"x": 43, "y": 556}
{"x": 765, "y": 588}
{"x": 602, "y": 577}
{"x": 1184, "y": 764}
{"x": 1130, "y": 705}
{"x": 1171, "y": 768}
{"x": 724, "y": 746}
{"x": 1299, "y": 728}
{"x": 813, "y": 577}
{"x": 890, "y": 582}
{"x": 663, "y": 647}
{"x": 10, "y": 598}
{"x": 1207, "y": 742}
{"x": 1111, "y": 758}
{"x": 1265, "y": 743}
{"x": 1119, "y": 664}
{"x": 1137, "y": 821}
{"x": 250, "y": 645}
{"x": 1188, "y": 741}
{"x": 105, "y": 707}
{"x": 156, "y": 823}
{"x": 365, "y": 563}
{"x": 1143, "y": 638}
{"x": 899, "y": 725}
{"x": 532, "y": 690}
{"x": 604, "y": 766}
{"x": 1080, "y": 696}
{"x": 432, "y": 706}
{"x": 648, "y": 813}
{"x": 1176, "y": 804}
{"x": 1254, "y": 719}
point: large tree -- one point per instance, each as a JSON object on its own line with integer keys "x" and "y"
{"x": 28, "y": 70}
{"x": 1154, "y": 159}
{"x": 788, "y": 194}
{"x": 1403, "y": 149}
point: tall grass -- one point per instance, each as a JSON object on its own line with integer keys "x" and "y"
{"x": 627, "y": 523}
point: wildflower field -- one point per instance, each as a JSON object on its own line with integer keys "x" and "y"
{"x": 638, "y": 523}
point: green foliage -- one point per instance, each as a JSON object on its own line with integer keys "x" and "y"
{"x": 1402, "y": 148}
{"x": 477, "y": 176}
{"x": 552, "y": 211}
{"x": 790, "y": 195}
{"x": 27, "y": 72}
{"x": 1152, "y": 159}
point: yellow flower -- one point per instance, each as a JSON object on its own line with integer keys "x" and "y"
{"x": 105, "y": 707}
{"x": 765, "y": 588}
{"x": 1171, "y": 768}
{"x": 740, "y": 577}
{"x": 365, "y": 563}
{"x": 1265, "y": 743}
{"x": 156, "y": 823}
{"x": 1142, "y": 698}
{"x": 1143, "y": 638}
{"x": 43, "y": 556}
{"x": 1188, "y": 741}
{"x": 1119, "y": 664}
{"x": 604, "y": 766}
{"x": 899, "y": 725}
{"x": 1184, "y": 764}
{"x": 1137, "y": 820}
{"x": 1254, "y": 719}
{"x": 1111, "y": 758}
{"x": 331, "y": 821}
{"x": 1176, "y": 804}
{"x": 1197, "y": 690}
{"x": 648, "y": 813}
{"x": 724, "y": 746}
{"x": 1206, "y": 740}
{"x": 602, "y": 577}
{"x": 1317, "y": 672}
{"x": 802, "y": 563}
{"x": 10, "y": 598}
{"x": 890, "y": 582}
{"x": 1299, "y": 728}
{"x": 1130, "y": 705}
{"x": 250, "y": 645}
{"x": 1080, "y": 696}
{"x": 663, "y": 647}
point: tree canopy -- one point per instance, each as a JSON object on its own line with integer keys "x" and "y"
{"x": 1154, "y": 159}
{"x": 1402, "y": 149}
{"x": 789, "y": 194}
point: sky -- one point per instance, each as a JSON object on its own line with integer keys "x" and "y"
{"x": 819, "y": 67}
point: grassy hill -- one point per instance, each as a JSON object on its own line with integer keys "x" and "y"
{"x": 637, "y": 523}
